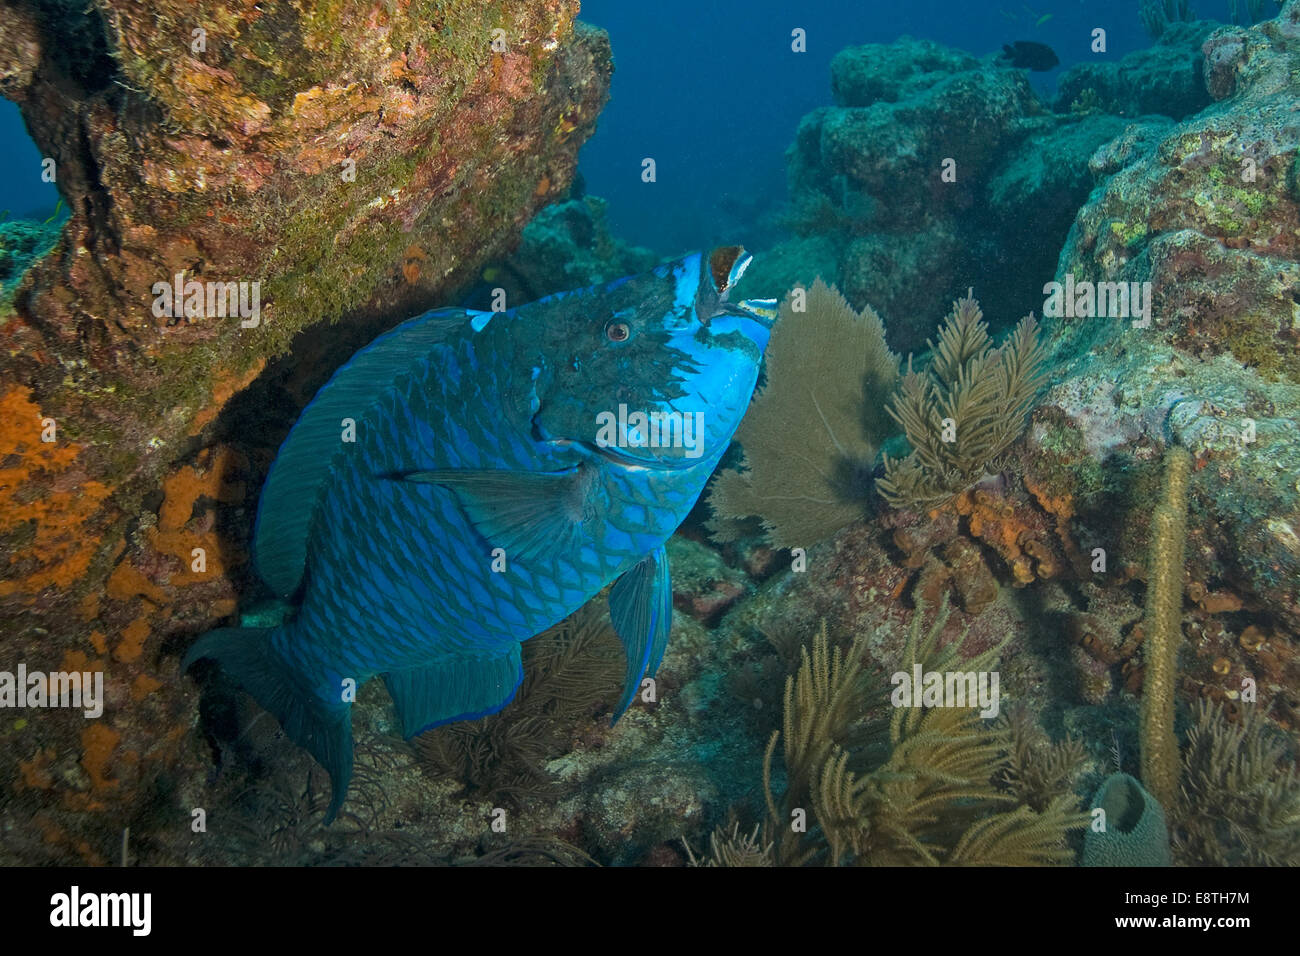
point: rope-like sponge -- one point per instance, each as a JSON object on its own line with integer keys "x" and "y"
{"x": 1163, "y": 625}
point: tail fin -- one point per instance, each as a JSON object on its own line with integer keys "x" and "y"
{"x": 248, "y": 655}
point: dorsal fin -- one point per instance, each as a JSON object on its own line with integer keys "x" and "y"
{"x": 301, "y": 469}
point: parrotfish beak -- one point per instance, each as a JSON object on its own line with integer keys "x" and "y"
{"x": 726, "y": 265}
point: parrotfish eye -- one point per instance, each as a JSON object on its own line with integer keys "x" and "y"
{"x": 617, "y": 331}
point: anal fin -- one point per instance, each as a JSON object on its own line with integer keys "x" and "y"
{"x": 456, "y": 688}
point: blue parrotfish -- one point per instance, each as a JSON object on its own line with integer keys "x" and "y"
{"x": 470, "y": 479}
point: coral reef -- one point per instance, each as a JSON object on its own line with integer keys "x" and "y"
{"x": 1041, "y": 563}
{"x": 964, "y": 410}
{"x": 912, "y": 181}
{"x": 811, "y": 434}
{"x": 1070, "y": 521}
{"x": 1167, "y": 78}
{"x": 360, "y": 163}
{"x": 1202, "y": 211}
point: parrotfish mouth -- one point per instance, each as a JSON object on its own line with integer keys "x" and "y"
{"x": 762, "y": 311}
{"x": 612, "y": 453}
{"x": 753, "y": 318}
{"x": 630, "y": 462}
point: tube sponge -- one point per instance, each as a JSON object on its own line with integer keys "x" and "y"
{"x": 1164, "y": 617}
{"x": 1135, "y": 833}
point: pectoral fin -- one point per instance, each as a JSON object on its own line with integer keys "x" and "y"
{"x": 641, "y": 608}
{"x": 526, "y": 513}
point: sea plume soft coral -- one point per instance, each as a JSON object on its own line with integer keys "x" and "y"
{"x": 940, "y": 796}
{"x": 964, "y": 410}
{"x": 731, "y": 848}
{"x": 1239, "y": 802}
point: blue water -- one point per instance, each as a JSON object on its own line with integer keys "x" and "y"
{"x": 22, "y": 192}
{"x": 712, "y": 92}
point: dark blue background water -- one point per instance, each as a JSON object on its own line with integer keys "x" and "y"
{"x": 712, "y": 92}
{"x": 22, "y": 194}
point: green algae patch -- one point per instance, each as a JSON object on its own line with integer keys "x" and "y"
{"x": 1255, "y": 343}
{"x": 1061, "y": 461}
{"x": 1130, "y": 234}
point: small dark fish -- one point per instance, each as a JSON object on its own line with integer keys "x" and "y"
{"x": 1028, "y": 55}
